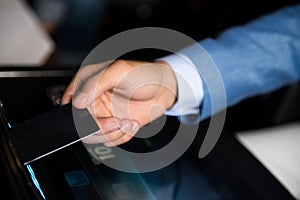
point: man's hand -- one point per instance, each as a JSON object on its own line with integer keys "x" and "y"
{"x": 122, "y": 96}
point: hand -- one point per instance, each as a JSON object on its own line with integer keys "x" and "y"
{"x": 122, "y": 96}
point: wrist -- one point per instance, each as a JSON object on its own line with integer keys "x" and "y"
{"x": 170, "y": 83}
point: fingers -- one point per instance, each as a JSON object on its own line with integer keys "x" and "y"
{"x": 103, "y": 81}
{"x": 80, "y": 78}
{"x": 67, "y": 96}
{"x": 92, "y": 89}
{"x": 113, "y": 131}
{"x": 86, "y": 95}
{"x": 129, "y": 129}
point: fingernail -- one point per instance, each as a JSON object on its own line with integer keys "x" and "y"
{"x": 135, "y": 127}
{"x": 82, "y": 98}
{"x": 112, "y": 126}
{"x": 126, "y": 127}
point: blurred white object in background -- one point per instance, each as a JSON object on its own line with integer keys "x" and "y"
{"x": 278, "y": 149}
{"x": 23, "y": 40}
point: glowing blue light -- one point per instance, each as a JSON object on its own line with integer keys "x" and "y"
{"x": 36, "y": 183}
{"x": 9, "y": 126}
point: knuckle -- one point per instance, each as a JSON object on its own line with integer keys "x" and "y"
{"x": 114, "y": 136}
{"x": 120, "y": 62}
{"x": 126, "y": 138}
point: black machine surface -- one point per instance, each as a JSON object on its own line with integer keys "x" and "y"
{"x": 228, "y": 172}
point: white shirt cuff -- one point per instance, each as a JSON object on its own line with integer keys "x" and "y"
{"x": 189, "y": 86}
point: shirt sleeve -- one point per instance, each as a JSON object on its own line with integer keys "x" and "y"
{"x": 256, "y": 58}
{"x": 189, "y": 87}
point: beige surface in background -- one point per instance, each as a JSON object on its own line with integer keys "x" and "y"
{"x": 22, "y": 40}
{"x": 278, "y": 149}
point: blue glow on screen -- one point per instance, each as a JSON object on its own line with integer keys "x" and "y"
{"x": 35, "y": 181}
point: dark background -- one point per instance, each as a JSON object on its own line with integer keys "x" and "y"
{"x": 196, "y": 18}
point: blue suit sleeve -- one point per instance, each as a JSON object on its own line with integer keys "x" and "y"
{"x": 253, "y": 59}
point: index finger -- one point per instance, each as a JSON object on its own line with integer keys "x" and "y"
{"x": 81, "y": 76}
